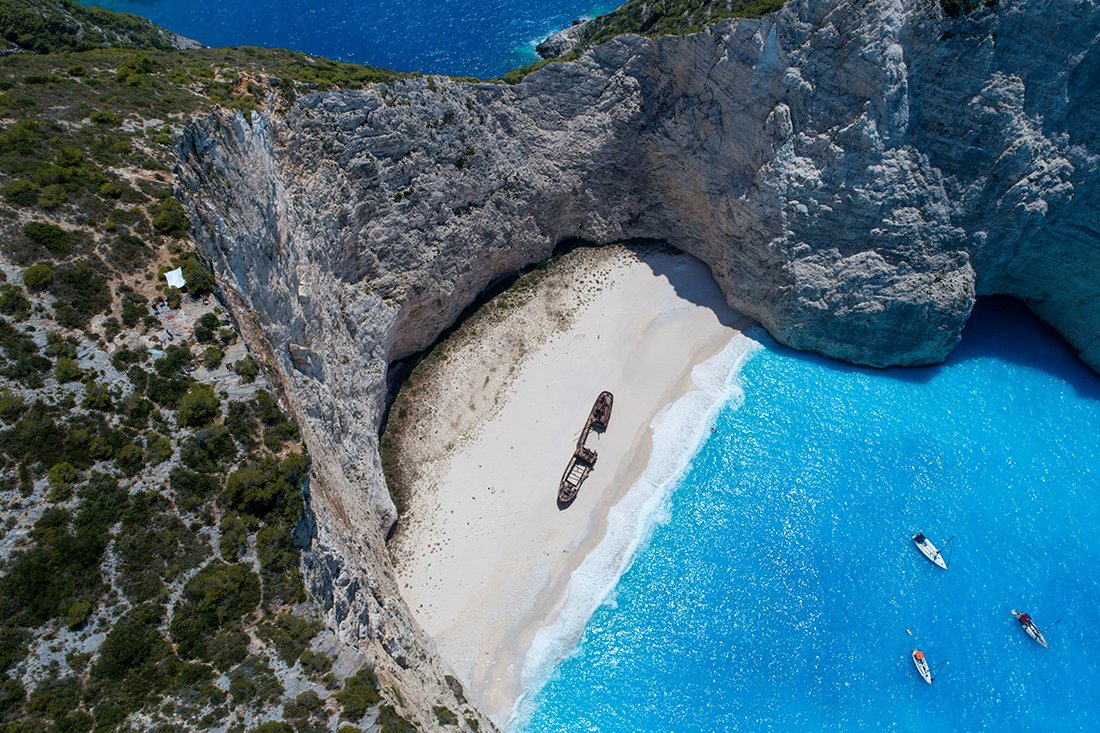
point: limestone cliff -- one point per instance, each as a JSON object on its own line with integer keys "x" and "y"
{"x": 853, "y": 172}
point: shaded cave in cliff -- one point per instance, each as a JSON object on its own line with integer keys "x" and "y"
{"x": 398, "y": 371}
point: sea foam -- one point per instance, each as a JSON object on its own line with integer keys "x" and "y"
{"x": 678, "y": 431}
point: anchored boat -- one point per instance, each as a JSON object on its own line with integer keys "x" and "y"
{"x": 922, "y": 666}
{"x": 1030, "y": 628}
{"x": 584, "y": 458}
{"x": 929, "y": 550}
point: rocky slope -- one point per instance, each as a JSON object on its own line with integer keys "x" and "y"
{"x": 41, "y": 26}
{"x": 853, "y": 172}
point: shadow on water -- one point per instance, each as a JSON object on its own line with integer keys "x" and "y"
{"x": 1003, "y": 328}
{"x": 1000, "y": 327}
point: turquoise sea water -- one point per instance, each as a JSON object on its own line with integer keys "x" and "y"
{"x": 778, "y": 592}
{"x": 482, "y": 38}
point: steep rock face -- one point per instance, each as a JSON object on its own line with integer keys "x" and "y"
{"x": 854, "y": 173}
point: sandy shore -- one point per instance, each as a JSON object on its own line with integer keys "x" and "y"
{"x": 483, "y": 554}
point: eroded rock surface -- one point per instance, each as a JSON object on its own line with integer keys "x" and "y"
{"x": 563, "y": 41}
{"x": 854, "y": 173}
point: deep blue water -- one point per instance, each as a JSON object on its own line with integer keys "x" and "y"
{"x": 482, "y": 38}
{"x": 778, "y": 593}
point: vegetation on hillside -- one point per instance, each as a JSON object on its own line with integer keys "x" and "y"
{"x": 152, "y": 487}
{"x": 653, "y": 18}
{"x": 45, "y": 26}
{"x": 671, "y": 17}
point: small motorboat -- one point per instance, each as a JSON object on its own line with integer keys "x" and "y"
{"x": 922, "y": 666}
{"x": 929, "y": 550}
{"x": 1030, "y": 628}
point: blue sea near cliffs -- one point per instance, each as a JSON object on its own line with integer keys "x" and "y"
{"x": 778, "y": 589}
{"x": 482, "y": 38}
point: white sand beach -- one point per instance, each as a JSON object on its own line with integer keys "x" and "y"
{"x": 483, "y": 553}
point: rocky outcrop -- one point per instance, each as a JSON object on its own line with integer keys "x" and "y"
{"x": 854, "y": 173}
{"x": 563, "y": 41}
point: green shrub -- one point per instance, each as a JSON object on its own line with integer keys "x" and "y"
{"x": 134, "y": 642}
{"x": 55, "y": 698}
{"x": 216, "y": 599}
{"x": 21, "y": 359}
{"x": 111, "y": 328}
{"x": 158, "y": 448}
{"x": 389, "y": 721}
{"x": 133, "y": 312}
{"x": 290, "y": 634}
{"x": 172, "y": 297}
{"x": 78, "y": 614}
{"x": 61, "y": 475}
{"x": 359, "y": 694}
{"x": 13, "y": 303}
{"x": 11, "y": 405}
{"x": 153, "y": 547}
{"x": 279, "y": 565}
{"x": 315, "y": 664}
{"x": 241, "y": 424}
{"x": 124, "y": 356}
{"x": 130, "y": 458}
{"x": 104, "y": 117}
{"x": 234, "y": 530}
{"x": 100, "y": 448}
{"x": 248, "y": 369}
{"x": 273, "y": 726}
{"x": 228, "y": 648}
{"x": 97, "y": 396}
{"x": 267, "y": 408}
{"x": 444, "y": 716}
{"x": 275, "y": 436}
{"x": 209, "y": 449}
{"x": 199, "y": 280}
{"x": 308, "y": 704}
{"x": 35, "y": 437}
{"x": 80, "y": 291}
{"x": 198, "y": 406}
{"x": 13, "y": 647}
{"x": 206, "y": 328}
{"x": 191, "y": 487}
{"x": 212, "y": 357}
{"x": 259, "y": 488}
{"x": 21, "y": 192}
{"x": 169, "y": 218}
{"x": 58, "y": 345}
{"x": 53, "y": 238}
{"x": 38, "y": 277}
{"x": 67, "y": 370}
{"x": 136, "y": 666}
{"x": 13, "y": 699}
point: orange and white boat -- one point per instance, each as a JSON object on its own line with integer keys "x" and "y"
{"x": 922, "y": 666}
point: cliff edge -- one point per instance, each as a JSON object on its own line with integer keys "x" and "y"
{"x": 854, "y": 174}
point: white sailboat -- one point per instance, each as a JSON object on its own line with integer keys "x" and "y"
{"x": 929, "y": 550}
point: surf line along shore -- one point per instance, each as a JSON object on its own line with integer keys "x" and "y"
{"x": 483, "y": 554}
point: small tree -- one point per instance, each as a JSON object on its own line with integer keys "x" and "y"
{"x": 38, "y": 277}
{"x": 199, "y": 406}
